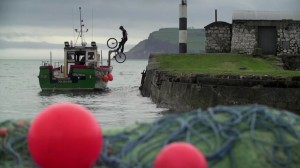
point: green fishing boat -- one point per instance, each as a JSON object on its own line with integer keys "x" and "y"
{"x": 82, "y": 68}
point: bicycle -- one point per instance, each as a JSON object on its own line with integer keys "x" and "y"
{"x": 112, "y": 43}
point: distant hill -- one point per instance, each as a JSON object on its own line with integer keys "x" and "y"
{"x": 165, "y": 40}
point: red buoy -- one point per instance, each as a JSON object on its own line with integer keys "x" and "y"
{"x": 105, "y": 78}
{"x": 3, "y": 132}
{"x": 110, "y": 77}
{"x": 179, "y": 155}
{"x": 65, "y": 135}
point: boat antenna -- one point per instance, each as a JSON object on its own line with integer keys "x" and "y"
{"x": 92, "y": 24}
{"x": 73, "y": 23}
{"x": 50, "y": 57}
{"x": 80, "y": 32}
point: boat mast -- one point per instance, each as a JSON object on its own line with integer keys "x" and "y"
{"x": 80, "y": 33}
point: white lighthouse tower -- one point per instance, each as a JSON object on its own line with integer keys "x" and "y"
{"x": 183, "y": 27}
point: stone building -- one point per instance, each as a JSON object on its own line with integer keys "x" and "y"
{"x": 276, "y": 33}
{"x": 218, "y": 37}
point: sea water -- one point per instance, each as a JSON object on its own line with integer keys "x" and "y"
{"x": 120, "y": 106}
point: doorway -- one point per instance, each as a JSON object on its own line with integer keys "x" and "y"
{"x": 267, "y": 39}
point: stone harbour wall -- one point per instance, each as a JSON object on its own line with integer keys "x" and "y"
{"x": 186, "y": 92}
{"x": 291, "y": 62}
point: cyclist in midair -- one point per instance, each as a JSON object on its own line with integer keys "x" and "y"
{"x": 124, "y": 39}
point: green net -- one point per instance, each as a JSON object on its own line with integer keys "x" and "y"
{"x": 235, "y": 136}
{"x": 229, "y": 136}
{"x": 13, "y": 145}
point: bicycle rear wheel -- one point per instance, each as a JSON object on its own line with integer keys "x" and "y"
{"x": 120, "y": 57}
{"x": 112, "y": 43}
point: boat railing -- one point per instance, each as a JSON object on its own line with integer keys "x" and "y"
{"x": 46, "y": 63}
{"x": 58, "y": 64}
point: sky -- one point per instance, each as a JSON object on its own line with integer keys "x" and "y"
{"x": 30, "y": 29}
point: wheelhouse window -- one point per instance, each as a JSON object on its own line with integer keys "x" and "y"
{"x": 80, "y": 57}
{"x": 91, "y": 55}
{"x": 71, "y": 56}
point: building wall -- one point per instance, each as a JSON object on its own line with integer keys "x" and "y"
{"x": 288, "y": 41}
{"x": 244, "y": 38}
{"x": 218, "y": 37}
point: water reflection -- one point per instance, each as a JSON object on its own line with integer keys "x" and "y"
{"x": 69, "y": 93}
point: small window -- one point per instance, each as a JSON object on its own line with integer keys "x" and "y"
{"x": 91, "y": 55}
{"x": 71, "y": 56}
{"x": 82, "y": 59}
{"x": 79, "y": 57}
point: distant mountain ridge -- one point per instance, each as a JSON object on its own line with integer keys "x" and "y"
{"x": 165, "y": 40}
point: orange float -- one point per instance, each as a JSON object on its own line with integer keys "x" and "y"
{"x": 65, "y": 135}
{"x": 105, "y": 78}
{"x": 179, "y": 155}
{"x": 110, "y": 77}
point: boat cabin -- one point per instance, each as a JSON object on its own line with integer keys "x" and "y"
{"x": 80, "y": 56}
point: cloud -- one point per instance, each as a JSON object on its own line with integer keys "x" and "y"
{"x": 13, "y": 35}
{"x": 40, "y": 45}
{"x": 135, "y": 14}
{"x": 52, "y": 21}
{"x": 36, "y": 11}
{"x": 29, "y": 45}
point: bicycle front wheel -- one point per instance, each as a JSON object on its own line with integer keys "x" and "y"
{"x": 120, "y": 57}
{"x": 112, "y": 43}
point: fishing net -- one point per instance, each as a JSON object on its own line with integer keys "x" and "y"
{"x": 229, "y": 136}
{"x": 235, "y": 136}
{"x": 13, "y": 145}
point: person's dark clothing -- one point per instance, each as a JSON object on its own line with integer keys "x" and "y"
{"x": 123, "y": 41}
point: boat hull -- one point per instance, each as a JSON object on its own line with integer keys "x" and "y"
{"x": 79, "y": 78}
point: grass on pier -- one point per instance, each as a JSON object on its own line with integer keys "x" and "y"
{"x": 221, "y": 64}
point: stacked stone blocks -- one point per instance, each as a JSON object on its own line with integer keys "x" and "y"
{"x": 242, "y": 37}
{"x": 218, "y": 37}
